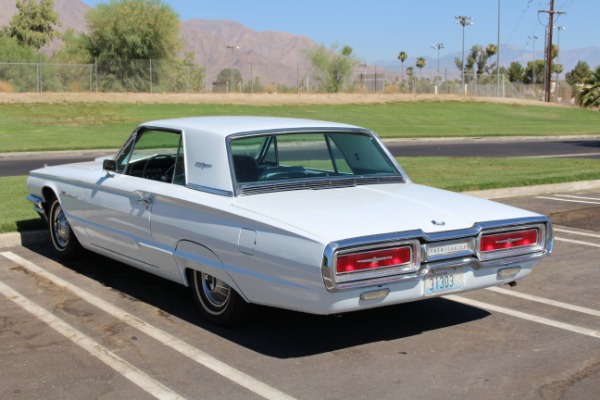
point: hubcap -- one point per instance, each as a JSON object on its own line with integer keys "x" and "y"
{"x": 60, "y": 227}
{"x": 216, "y": 291}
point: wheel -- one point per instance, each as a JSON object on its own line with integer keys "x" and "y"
{"x": 64, "y": 242}
{"x": 218, "y": 302}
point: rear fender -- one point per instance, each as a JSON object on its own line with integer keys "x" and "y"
{"x": 193, "y": 256}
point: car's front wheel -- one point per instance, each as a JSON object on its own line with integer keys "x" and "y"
{"x": 64, "y": 242}
{"x": 218, "y": 302}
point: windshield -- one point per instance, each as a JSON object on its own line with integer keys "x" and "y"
{"x": 308, "y": 156}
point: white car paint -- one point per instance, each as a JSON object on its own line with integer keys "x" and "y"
{"x": 270, "y": 247}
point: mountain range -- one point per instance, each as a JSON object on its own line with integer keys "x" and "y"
{"x": 277, "y": 56}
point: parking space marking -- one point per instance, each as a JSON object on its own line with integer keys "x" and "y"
{"x": 569, "y": 200}
{"x": 128, "y": 371}
{"x": 206, "y": 360}
{"x": 561, "y": 155}
{"x": 577, "y": 242}
{"x": 525, "y": 316}
{"x": 543, "y": 300}
{"x": 577, "y": 197}
{"x": 576, "y": 232}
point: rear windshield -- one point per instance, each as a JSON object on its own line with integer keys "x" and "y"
{"x": 308, "y": 156}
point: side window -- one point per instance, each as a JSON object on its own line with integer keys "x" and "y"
{"x": 155, "y": 155}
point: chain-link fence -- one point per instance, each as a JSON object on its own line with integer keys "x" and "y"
{"x": 156, "y": 76}
{"x": 108, "y": 76}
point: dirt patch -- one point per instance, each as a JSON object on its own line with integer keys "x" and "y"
{"x": 260, "y": 99}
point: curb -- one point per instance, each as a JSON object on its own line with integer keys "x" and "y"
{"x": 30, "y": 238}
{"x": 27, "y": 238}
{"x": 534, "y": 190}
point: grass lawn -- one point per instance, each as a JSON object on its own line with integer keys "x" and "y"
{"x": 70, "y": 126}
{"x": 458, "y": 174}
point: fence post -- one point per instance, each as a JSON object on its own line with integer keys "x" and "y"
{"x": 188, "y": 71}
{"x": 41, "y": 76}
{"x": 96, "y": 71}
{"x": 150, "y": 76}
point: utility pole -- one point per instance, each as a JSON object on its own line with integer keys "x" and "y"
{"x": 551, "y": 13}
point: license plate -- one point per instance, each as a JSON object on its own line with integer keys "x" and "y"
{"x": 444, "y": 281}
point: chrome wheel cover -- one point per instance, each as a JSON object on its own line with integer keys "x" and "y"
{"x": 214, "y": 291}
{"x": 61, "y": 231}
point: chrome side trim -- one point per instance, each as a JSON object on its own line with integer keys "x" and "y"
{"x": 473, "y": 233}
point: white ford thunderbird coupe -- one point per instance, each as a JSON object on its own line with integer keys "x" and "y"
{"x": 304, "y": 215}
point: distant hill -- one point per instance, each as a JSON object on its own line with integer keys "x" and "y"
{"x": 277, "y": 56}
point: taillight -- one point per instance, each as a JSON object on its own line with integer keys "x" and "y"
{"x": 509, "y": 240}
{"x": 374, "y": 259}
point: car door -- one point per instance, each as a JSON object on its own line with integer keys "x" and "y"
{"x": 118, "y": 218}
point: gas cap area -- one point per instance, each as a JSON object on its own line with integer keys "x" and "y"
{"x": 247, "y": 241}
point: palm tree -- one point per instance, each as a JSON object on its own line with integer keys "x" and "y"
{"x": 420, "y": 63}
{"x": 402, "y": 56}
{"x": 490, "y": 50}
{"x": 410, "y": 71}
{"x": 589, "y": 95}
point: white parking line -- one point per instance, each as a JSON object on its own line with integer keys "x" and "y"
{"x": 576, "y": 242}
{"x": 577, "y": 197}
{"x": 576, "y": 232}
{"x": 571, "y": 201}
{"x": 165, "y": 338}
{"x": 562, "y": 155}
{"x": 130, "y": 372}
{"x": 543, "y": 300}
{"x": 525, "y": 316}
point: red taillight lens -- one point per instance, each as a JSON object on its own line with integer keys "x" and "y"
{"x": 509, "y": 240}
{"x": 374, "y": 259}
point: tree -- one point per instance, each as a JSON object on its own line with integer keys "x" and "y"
{"x": 589, "y": 95}
{"x": 225, "y": 76}
{"x": 420, "y": 63}
{"x": 490, "y": 50}
{"x": 20, "y": 78}
{"x": 515, "y": 72}
{"x": 539, "y": 71}
{"x": 34, "y": 23}
{"x": 579, "y": 74}
{"x": 402, "y": 56}
{"x": 331, "y": 69}
{"x": 123, "y": 32}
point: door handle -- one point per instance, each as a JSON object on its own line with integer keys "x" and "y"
{"x": 144, "y": 197}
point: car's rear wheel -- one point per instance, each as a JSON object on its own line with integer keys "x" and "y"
{"x": 218, "y": 302}
{"x": 64, "y": 242}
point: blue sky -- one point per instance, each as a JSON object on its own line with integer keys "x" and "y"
{"x": 379, "y": 29}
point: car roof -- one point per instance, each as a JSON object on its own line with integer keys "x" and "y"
{"x": 228, "y": 125}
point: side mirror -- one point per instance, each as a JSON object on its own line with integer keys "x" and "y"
{"x": 109, "y": 165}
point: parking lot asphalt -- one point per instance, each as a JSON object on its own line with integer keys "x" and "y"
{"x": 95, "y": 328}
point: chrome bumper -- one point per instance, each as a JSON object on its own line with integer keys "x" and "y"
{"x": 38, "y": 206}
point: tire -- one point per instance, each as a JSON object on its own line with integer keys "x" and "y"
{"x": 64, "y": 243}
{"x": 217, "y": 301}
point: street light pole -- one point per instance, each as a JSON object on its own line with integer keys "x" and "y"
{"x": 438, "y": 47}
{"x": 498, "y": 55}
{"x": 232, "y": 63}
{"x": 558, "y": 29}
{"x": 464, "y": 21}
{"x": 533, "y": 61}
